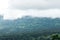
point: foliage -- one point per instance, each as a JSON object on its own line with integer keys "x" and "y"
{"x": 29, "y": 28}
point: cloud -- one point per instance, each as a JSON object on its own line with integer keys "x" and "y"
{"x": 3, "y": 6}
{"x": 35, "y": 4}
{"x": 14, "y": 14}
{"x": 13, "y": 9}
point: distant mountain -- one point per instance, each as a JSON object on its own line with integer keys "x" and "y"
{"x": 29, "y": 24}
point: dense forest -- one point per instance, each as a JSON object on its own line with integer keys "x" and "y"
{"x": 30, "y": 28}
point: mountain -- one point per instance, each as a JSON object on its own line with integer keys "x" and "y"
{"x": 29, "y": 24}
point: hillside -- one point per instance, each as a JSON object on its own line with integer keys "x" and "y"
{"x": 30, "y": 26}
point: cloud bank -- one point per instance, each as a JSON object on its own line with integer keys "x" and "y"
{"x": 35, "y": 4}
{"x": 13, "y": 9}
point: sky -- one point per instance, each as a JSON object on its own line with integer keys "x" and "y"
{"x": 13, "y": 9}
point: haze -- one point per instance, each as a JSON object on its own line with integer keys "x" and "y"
{"x": 12, "y": 9}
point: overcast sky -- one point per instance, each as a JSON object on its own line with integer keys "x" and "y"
{"x": 12, "y": 9}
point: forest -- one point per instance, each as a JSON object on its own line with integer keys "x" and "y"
{"x": 30, "y": 28}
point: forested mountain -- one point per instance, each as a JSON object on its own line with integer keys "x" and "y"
{"x": 28, "y": 25}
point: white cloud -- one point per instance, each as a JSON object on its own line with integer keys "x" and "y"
{"x": 35, "y": 4}
{"x": 11, "y": 9}
{"x": 28, "y": 4}
{"x": 3, "y": 6}
{"x": 13, "y": 14}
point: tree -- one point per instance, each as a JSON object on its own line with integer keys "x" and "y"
{"x": 55, "y": 37}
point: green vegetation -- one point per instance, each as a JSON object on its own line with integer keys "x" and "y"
{"x": 30, "y": 28}
{"x": 30, "y": 37}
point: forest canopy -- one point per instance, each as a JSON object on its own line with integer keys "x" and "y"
{"x": 29, "y": 26}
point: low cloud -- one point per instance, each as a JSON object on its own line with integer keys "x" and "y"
{"x": 35, "y": 4}
{"x": 14, "y": 14}
{"x": 39, "y": 8}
